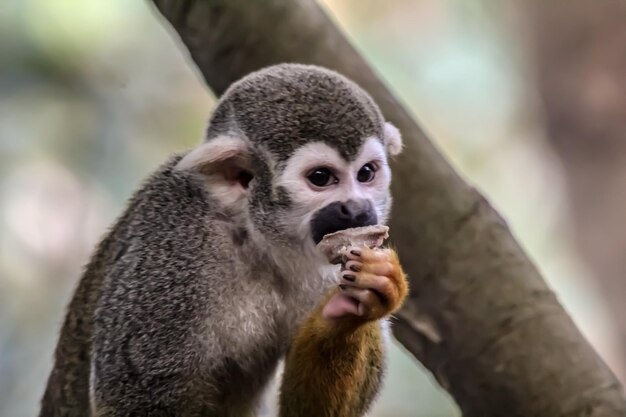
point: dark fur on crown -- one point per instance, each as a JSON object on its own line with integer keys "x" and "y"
{"x": 285, "y": 106}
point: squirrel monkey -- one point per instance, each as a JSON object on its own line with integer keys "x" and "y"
{"x": 211, "y": 275}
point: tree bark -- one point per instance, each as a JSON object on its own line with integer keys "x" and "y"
{"x": 580, "y": 53}
{"x": 480, "y": 316}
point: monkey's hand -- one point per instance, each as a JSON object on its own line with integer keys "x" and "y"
{"x": 373, "y": 285}
{"x": 335, "y": 363}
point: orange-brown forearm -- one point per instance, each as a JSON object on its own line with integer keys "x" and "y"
{"x": 335, "y": 363}
{"x": 333, "y": 368}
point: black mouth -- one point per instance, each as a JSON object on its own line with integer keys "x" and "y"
{"x": 319, "y": 234}
{"x": 332, "y": 219}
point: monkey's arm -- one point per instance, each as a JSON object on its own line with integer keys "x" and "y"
{"x": 332, "y": 369}
{"x": 335, "y": 363}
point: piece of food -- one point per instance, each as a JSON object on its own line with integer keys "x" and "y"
{"x": 333, "y": 243}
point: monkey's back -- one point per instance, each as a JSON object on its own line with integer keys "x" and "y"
{"x": 147, "y": 311}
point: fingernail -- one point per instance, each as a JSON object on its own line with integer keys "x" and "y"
{"x": 355, "y": 252}
{"x": 355, "y": 268}
{"x": 349, "y": 277}
{"x": 343, "y": 287}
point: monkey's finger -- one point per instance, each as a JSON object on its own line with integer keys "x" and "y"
{"x": 353, "y": 252}
{"x": 365, "y": 254}
{"x": 383, "y": 289}
{"x": 378, "y": 255}
{"x": 383, "y": 268}
{"x": 340, "y": 305}
{"x": 354, "y": 266}
{"x": 361, "y": 295}
{"x": 380, "y": 284}
{"x": 369, "y": 304}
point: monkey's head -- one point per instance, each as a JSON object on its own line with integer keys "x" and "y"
{"x": 299, "y": 151}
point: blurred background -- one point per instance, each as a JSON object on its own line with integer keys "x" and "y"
{"x": 526, "y": 98}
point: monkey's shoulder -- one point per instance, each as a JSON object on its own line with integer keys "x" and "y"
{"x": 168, "y": 250}
{"x": 173, "y": 214}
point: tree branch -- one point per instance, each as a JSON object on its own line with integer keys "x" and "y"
{"x": 480, "y": 316}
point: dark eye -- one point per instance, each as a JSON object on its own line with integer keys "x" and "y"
{"x": 322, "y": 177}
{"x": 366, "y": 173}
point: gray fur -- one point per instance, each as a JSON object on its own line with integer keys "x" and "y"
{"x": 185, "y": 309}
{"x": 286, "y": 106}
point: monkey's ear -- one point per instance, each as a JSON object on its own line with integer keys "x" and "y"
{"x": 225, "y": 161}
{"x": 393, "y": 139}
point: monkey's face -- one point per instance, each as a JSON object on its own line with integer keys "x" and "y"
{"x": 296, "y": 152}
{"x": 329, "y": 193}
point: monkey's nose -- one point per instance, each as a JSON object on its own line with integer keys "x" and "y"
{"x": 357, "y": 211}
